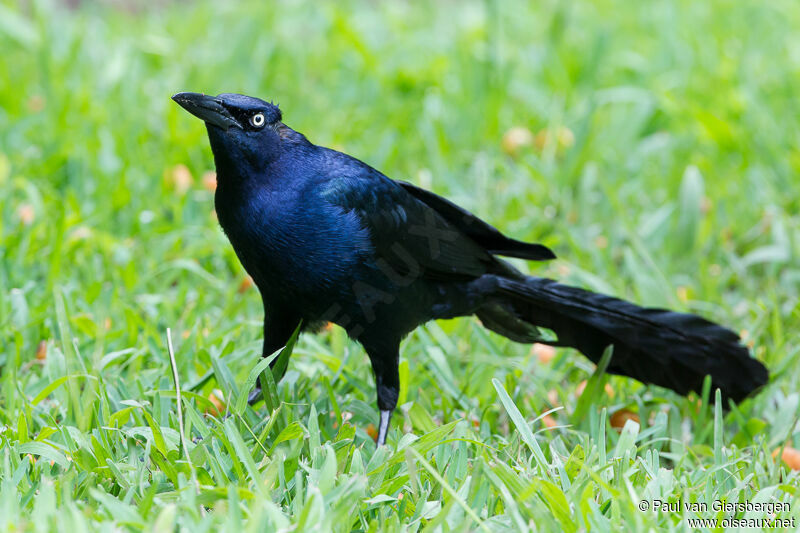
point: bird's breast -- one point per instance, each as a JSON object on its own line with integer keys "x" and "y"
{"x": 292, "y": 246}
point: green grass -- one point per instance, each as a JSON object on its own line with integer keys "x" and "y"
{"x": 680, "y": 189}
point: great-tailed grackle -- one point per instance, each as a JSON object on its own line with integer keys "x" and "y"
{"x": 326, "y": 237}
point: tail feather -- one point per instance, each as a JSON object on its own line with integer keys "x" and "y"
{"x": 673, "y": 350}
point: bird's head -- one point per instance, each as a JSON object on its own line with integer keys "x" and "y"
{"x": 243, "y": 130}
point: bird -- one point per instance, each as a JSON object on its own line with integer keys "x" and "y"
{"x": 327, "y": 238}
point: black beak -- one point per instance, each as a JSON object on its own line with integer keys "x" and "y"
{"x": 206, "y": 108}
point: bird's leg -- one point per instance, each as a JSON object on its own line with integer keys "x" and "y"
{"x": 383, "y": 426}
{"x": 387, "y": 382}
{"x": 387, "y": 401}
{"x": 255, "y": 395}
{"x": 278, "y": 329}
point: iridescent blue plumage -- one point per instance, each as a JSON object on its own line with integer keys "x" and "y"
{"x": 328, "y": 238}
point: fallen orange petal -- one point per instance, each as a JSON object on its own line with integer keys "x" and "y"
{"x": 790, "y": 456}
{"x": 619, "y": 418}
{"x": 609, "y": 390}
{"x": 26, "y": 214}
{"x": 552, "y": 397}
{"x": 209, "y": 180}
{"x": 217, "y": 398}
{"x": 246, "y": 283}
{"x": 179, "y": 178}
{"x": 41, "y": 351}
{"x": 543, "y": 352}
{"x": 515, "y": 139}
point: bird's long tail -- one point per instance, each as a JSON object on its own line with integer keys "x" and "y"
{"x": 674, "y": 350}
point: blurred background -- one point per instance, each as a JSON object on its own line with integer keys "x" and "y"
{"x": 654, "y": 146}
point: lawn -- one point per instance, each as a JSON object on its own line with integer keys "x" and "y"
{"x": 654, "y": 146}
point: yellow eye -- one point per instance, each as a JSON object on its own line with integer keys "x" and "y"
{"x": 257, "y": 120}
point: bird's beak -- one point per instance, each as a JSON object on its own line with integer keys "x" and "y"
{"x": 206, "y": 108}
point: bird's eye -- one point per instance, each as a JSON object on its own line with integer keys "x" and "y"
{"x": 257, "y": 120}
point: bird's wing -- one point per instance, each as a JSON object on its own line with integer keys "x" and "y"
{"x": 406, "y": 233}
{"x": 482, "y": 233}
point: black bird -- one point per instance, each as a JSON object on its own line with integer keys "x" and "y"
{"x": 326, "y": 237}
